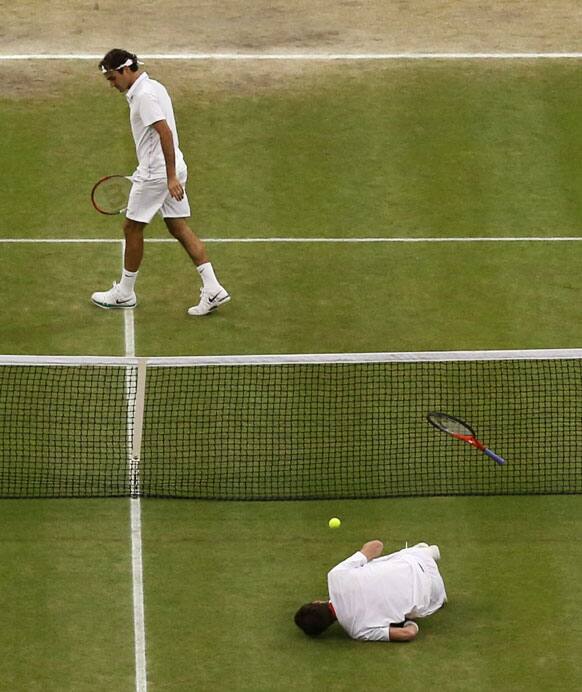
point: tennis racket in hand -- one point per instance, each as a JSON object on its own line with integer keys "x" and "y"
{"x": 110, "y": 194}
{"x": 457, "y": 428}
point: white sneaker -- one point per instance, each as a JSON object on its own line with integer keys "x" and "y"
{"x": 209, "y": 301}
{"x": 113, "y": 298}
{"x": 434, "y": 551}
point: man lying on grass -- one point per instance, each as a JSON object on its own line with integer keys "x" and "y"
{"x": 378, "y": 598}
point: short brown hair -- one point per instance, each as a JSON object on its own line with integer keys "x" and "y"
{"x": 314, "y": 618}
{"x": 117, "y": 57}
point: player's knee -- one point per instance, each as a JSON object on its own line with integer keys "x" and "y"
{"x": 178, "y": 227}
{"x": 132, "y": 227}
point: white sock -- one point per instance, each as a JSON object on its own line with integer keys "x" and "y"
{"x": 208, "y": 277}
{"x": 127, "y": 283}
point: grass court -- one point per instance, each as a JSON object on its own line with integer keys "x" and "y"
{"x": 351, "y": 151}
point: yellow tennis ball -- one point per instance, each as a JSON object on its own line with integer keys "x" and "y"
{"x": 334, "y": 523}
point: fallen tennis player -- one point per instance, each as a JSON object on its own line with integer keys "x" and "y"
{"x": 377, "y": 598}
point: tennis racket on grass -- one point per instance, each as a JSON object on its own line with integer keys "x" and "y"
{"x": 110, "y": 194}
{"x": 457, "y": 428}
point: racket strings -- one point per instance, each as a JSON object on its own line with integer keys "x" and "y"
{"x": 111, "y": 195}
{"x": 114, "y": 194}
{"x": 450, "y": 425}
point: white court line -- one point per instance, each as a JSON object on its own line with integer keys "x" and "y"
{"x": 136, "y": 537}
{"x": 467, "y": 239}
{"x": 138, "y": 599}
{"x": 499, "y": 239}
{"x": 234, "y": 56}
{"x": 59, "y": 240}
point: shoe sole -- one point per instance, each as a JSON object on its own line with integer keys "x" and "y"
{"x": 106, "y": 306}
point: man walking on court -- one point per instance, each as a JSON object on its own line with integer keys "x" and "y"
{"x": 158, "y": 184}
{"x": 378, "y": 598}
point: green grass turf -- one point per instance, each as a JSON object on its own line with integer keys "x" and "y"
{"x": 334, "y": 298}
{"x": 467, "y": 148}
{"x": 46, "y": 306}
{"x": 65, "y": 596}
{"x": 223, "y": 618}
{"x": 401, "y": 149}
{"x": 297, "y": 298}
{"x": 397, "y": 149}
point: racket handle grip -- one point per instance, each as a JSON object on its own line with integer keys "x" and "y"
{"x": 495, "y": 457}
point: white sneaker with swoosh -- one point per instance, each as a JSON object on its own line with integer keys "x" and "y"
{"x": 113, "y": 298}
{"x": 209, "y": 301}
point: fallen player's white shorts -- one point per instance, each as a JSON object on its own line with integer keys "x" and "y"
{"x": 148, "y": 197}
{"x": 434, "y": 584}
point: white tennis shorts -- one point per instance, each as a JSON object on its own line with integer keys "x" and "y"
{"x": 149, "y": 197}
{"x": 433, "y": 582}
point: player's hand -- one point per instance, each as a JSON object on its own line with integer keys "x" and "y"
{"x": 175, "y": 188}
{"x": 372, "y": 549}
{"x": 415, "y": 626}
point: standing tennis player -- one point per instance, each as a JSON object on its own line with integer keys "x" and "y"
{"x": 158, "y": 184}
{"x": 378, "y": 598}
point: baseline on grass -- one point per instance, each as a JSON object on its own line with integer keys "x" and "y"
{"x": 110, "y": 194}
{"x": 457, "y": 428}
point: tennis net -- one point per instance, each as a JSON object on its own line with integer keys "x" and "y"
{"x": 289, "y": 427}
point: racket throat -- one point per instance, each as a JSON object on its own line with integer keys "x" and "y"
{"x": 469, "y": 439}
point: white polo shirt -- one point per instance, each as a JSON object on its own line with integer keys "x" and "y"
{"x": 370, "y": 596}
{"x": 149, "y": 102}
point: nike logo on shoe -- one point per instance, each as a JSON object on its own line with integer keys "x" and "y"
{"x": 113, "y": 298}
{"x": 209, "y": 303}
{"x": 224, "y": 295}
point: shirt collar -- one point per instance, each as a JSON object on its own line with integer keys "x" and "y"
{"x": 131, "y": 92}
